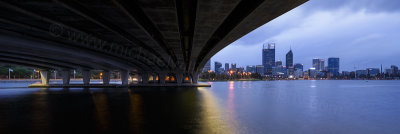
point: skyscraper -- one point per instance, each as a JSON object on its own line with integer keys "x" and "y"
{"x": 268, "y": 57}
{"x": 218, "y": 66}
{"x": 207, "y": 66}
{"x": 321, "y": 65}
{"x": 395, "y": 69}
{"x": 233, "y": 67}
{"x": 289, "y": 63}
{"x": 226, "y": 67}
{"x": 333, "y": 66}
{"x": 318, "y": 64}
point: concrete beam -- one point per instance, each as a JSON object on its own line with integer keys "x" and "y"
{"x": 45, "y": 76}
{"x": 106, "y": 77}
{"x": 86, "y": 77}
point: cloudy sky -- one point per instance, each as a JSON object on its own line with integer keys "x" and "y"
{"x": 362, "y": 33}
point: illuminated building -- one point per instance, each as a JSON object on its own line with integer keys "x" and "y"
{"x": 260, "y": 69}
{"x": 289, "y": 63}
{"x": 217, "y": 67}
{"x": 268, "y": 57}
{"x": 333, "y": 66}
{"x": 251, "y": 69}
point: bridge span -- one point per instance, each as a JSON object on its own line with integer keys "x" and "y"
{"x": 149, "y": 38}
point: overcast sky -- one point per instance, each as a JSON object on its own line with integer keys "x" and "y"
{"x": 362, "y": 33}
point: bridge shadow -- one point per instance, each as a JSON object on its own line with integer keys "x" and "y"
{"x": 136, "y": 110}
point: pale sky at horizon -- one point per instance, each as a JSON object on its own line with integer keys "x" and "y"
{"x": 362, "y": 33}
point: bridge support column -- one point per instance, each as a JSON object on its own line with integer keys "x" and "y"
{"x": 86, "y": 77}
{"x": 145, "y": 78}
{"x": 124, "y": 77}
{"x": 66, "y": 76}
{"x": 45, "y": 76}
{"x": 179, "y": 77}
{"x": 161, "y": 77}
{"x": 195, "y": 77}
{"x": 106, "y": 77}
{"x": 190, "y": 78}
{"x": 154, "y": 78}
{"x": 139, "y": 78}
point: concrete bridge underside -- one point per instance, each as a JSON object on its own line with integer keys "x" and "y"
{"x": 157, "y": 38}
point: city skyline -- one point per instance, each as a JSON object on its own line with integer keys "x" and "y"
{"x": 313, "y": 35}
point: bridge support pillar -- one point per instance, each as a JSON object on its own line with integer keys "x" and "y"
{"x": 86, "y": 77}
{"x": 161, "y": 77}
{"x": 45, "y": 76}
{"x": 190, "y": 78}
{"x": 195, "y": 77}
{"x": 66, "y": 76}
{"x": 179, "y": 77}
{"x": 124, "y": 77}
{"x": 106, "y": 77}
{"x": 145, "y": 78}
{"x": 155, "y": 78}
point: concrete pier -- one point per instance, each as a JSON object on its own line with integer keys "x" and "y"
{"x": 86, "y": 77}
{"x": 106, "y": 77}
{"x": 45, "y": 76}
{"x": 66, "y": 76}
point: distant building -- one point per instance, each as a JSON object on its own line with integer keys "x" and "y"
{"x": 233, "y": 67}
{"x": 207, "y": 66}
{"x": 251, "y": 69}
{"x": 268, "y": 57}
{"x": 333, "y": 66}
{"x": 361, "y": 73}
{"x": 312, "y": 72}
{"x": 278, "y": 63}
{"x": 289, "y": 63}
{"x": 226, "y": 67}
{"x": 373, "y": 71}
{"x": 318, "y": 64}
{"x": 298, "y": 66}
{"x": 218, "y": 68}
{"x": 395, "y": 70}
{"x": 241, "y": 69}
{"x": 260, "y": 69}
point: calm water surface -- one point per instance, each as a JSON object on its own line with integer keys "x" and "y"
{"x": 264, "y": 107}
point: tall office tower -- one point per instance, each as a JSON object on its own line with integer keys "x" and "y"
{"x": 315, "y": 64}
{"x": 207, "y": 66}
{"x": 268, "y": 58}
{"x": 298, "y": 66}
{"x": 289, "y": 63}
{"x": 321, "y": 65}
{"x": 233, "y": 67}
{"x": 217, "y": 67}
{"x": 226, "y": 67}
{"x": 333, "y": 66}
{"x": 395, "y": 69}
{"x": 318, "y": 64}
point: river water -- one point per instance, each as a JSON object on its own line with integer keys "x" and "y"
{"x": 264, "y": 107}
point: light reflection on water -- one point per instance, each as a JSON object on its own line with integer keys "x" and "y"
{"x": 226, "y": 107}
